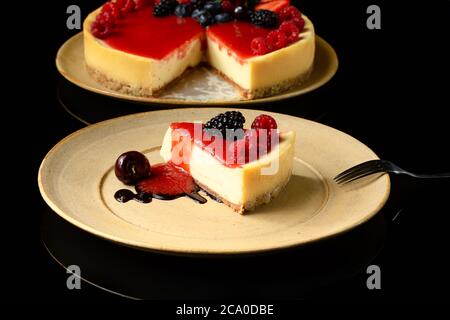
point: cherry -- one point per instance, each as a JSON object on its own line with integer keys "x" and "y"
{"x": 132, "y": 167}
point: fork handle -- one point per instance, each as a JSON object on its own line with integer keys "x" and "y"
{"x": 429, "y": 176}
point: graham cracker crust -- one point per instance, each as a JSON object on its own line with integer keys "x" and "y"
{"x": 250, "y": 205}
{"x": 125, "y": 88}
{"x": 118, "y": 86}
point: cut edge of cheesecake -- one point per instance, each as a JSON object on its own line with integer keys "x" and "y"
{"x": 281, "y": 87}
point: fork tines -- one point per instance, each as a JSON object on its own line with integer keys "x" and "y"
{"x": 359, "y": 171}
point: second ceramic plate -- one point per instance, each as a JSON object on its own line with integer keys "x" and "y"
{"x": 199, "y": 86}
{"x": 77, "y": 180}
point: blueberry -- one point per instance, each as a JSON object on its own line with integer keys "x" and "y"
{"x": 197, "y": 12}
{"x": 222, "y": 17}
{"x": 241, "y": 13}
{"x": 205, "y": 19}
{"x": 212, "y": 7}
{"x": 183, "y": 10}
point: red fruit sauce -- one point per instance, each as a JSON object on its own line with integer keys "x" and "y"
{"x": 142, "y": 34}
{"x": 237, "y": 36}
{"x": 182, "y": 141}
{"x": 166, "y": 182}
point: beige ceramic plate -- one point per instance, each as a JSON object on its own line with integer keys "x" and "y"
{"x": 199, "y": 86}
{"x": 76, "y": 179}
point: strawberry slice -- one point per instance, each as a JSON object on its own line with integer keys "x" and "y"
{"x": 272, "y": 5}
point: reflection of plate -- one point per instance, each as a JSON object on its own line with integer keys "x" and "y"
{"x": 306, "y": 272}
{"x": 198, "y": 86}
{"x": 77, "y": 182}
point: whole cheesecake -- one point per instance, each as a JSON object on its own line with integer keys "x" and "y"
{"x": 141, "y": 48}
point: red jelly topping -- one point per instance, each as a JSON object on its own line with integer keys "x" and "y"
{"x": 167, "y": 180}
{"x": 229, "y": 153}
{"x": 140, "y": 33}
{"x": 237, "y": 36}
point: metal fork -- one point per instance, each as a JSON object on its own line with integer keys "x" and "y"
{"x": 377, "y": 166}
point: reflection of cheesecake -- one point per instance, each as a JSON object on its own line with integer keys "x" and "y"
{"x": 242, "y": 186}
{"x": 143, "y": 54}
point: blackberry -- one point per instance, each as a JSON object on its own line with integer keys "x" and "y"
{"x": 264, "y": 18}
{"x": 228, "y": 120}
{"x": 164, "y": 8}
{"x": 197, "y": 4}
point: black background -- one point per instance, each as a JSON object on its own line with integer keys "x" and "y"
{"x": 390, "y": 92}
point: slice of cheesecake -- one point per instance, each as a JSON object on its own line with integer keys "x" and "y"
{"x": 230, "y": 54}
{"x": 242, "y": 186}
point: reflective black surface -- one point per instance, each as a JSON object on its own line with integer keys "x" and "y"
{"x": 291, "y": 274}
{"x": 390, "y": 92}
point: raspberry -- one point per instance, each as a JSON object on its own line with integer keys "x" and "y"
{"x": 184, "y": 1}
{"x": 300, "y": 23}
{"x": 112, "y": 9}
{"x": 100, "y": 30}
{"x": 276, "y": 40}
{"x": 120, "y": 3}
{"x": 290, "y": 30}
{"x": 227, "y": 6}
{"x": 128, "y": 6}
{"x": 264, "y": 121}
{"x": 259, "y": 46}
{"x": 142, "y": 3}
{"x": 289, "y": 13}
{"x": 105, "y": 18}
